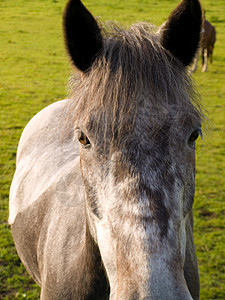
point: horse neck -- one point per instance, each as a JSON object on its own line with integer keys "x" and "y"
{"x": 92, "y": 282}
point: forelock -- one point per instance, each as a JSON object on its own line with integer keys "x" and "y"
{"x": 132, "y": 72}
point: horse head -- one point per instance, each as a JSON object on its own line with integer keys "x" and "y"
{"x": 137, "y": 123}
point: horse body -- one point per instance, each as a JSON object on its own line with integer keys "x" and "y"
{"x": 207, "y": 44}
{"x": 208, "y": 41}
{"x": 112, "y": 218}
{"x": 50, "y": 209}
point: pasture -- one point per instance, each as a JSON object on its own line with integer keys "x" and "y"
{"x": 34, "y": 73}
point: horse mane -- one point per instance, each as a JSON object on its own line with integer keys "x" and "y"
{"x": 132, "y": 72}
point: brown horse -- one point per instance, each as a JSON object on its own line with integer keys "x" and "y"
{"x": 207, "y": 44}
{"x": 101, "y": 208}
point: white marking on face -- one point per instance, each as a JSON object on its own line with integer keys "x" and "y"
{"x": 130, "y": 221}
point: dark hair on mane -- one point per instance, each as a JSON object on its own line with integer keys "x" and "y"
{"x": 132, "y": 71}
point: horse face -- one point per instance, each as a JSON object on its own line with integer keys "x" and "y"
{"x": 139, "y": 199}
{"x": 139, "y": 173}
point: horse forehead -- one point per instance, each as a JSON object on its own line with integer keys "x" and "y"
{"x": 154, "y": 168}
{"x": 149, "y": 166}
{"x": 153, "y": 135}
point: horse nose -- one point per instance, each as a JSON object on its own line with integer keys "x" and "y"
{"x": 171, "y": 296}
{"x": 181, "y": 293}
{"x": 171, "y": 293}
{"x": 153, "y": 293}
{"x": 182, "y": 296}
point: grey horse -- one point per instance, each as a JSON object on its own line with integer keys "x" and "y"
{"x": 101, "y": 200}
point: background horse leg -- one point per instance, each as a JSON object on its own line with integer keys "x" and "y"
{"x": 195, "y": 63}
{"x": 211, "y": 54}
{"x": 204, "y": 59}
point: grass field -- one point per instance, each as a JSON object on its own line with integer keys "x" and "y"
{"x": 34, "y": 71}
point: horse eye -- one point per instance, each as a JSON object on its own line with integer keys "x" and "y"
{"x": 195, "y": 134}
{"x": 83, "y": 139}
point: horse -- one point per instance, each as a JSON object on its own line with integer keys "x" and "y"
{"x": 101, "y": 199}
{"x": 207, "y": 44}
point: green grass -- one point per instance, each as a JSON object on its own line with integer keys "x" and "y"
{"x": 34, "y": 71}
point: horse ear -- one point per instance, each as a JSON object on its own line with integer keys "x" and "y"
{"x": 181, "y": 33}
{"x": 82, "y": 35}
